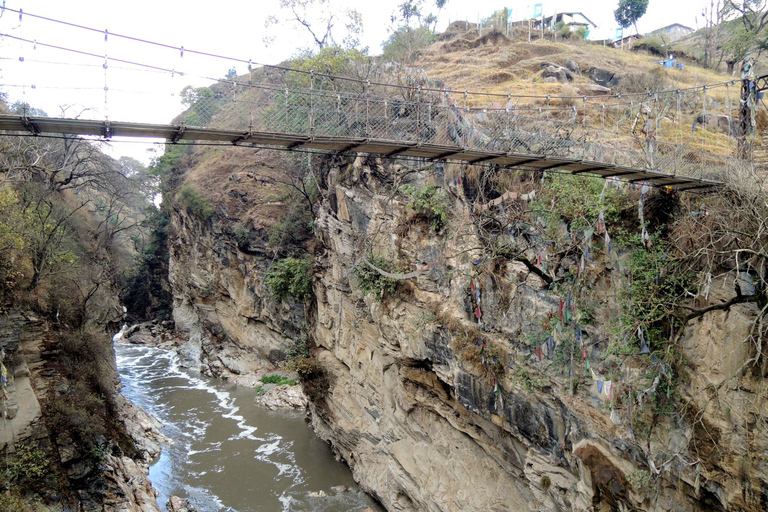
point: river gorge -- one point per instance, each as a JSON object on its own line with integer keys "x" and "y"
{"x": 228, "y": 454}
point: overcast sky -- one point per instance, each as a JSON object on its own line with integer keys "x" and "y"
{"x": 230, "y": 28}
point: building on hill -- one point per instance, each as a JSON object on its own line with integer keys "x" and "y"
{"x": 626, "y": 42}
{"x": 672, "y": 32}
{"x": 574, "y": 20}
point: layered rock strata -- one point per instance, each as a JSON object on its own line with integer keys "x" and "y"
{"x": 424, "y": 419}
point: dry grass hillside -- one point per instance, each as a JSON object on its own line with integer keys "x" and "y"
{"x": 493, "y": 63}
{"x": 254, "y": 187}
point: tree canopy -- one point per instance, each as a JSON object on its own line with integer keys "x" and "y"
{"x": 412, "y": 30}
{"x": 629, "y": 11}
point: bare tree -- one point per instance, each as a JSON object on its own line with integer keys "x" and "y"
{"x": 324, "y": 22}
{"x": 753, "y": 15}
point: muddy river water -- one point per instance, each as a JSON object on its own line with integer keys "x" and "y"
{"x": 230, "y": 455}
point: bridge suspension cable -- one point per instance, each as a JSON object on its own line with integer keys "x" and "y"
{"x": 619, "y": 136}
{"x": 251, "y": 64}
{"x": 249, "y": 84}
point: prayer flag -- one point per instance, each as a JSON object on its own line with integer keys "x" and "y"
{"x": 607, "y": 388}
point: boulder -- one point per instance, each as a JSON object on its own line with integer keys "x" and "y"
{"x": 604, "y": 77}
{"x": 721, "y": 123}
{"x": 596, "y": 88}
{"x": 176, "y": 504}
{"x": 561, "y": 74}
{"x": 282, "y": 397}
{"x": 573, "y": 66}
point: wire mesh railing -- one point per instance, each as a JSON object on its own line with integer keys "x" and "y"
{"x": 444, "y": 120}
{"x": 653, "y": 131}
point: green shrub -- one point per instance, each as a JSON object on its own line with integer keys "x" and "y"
{"x": 371, "y": 282}
{"x": 146, "y": 293}
{"x": 430, "y": 202}
{"x": 295, "y": 225}
{"x": 299, "y": 349}
{"x": 29, "y": 462}
{"x": 201, "y": 104}
{"x": 242, "y": 234}
{"x": 291, "y": 277}
{"x": 406, "y": 42}
{"x": 19, "y": 504}
{"x": 280, "y": 380}
{"x": 195, "y": 202}
{"x": 312, "y": 376}
{"x": 655, "y": 46}
{"x": 576, "y": 200}
{"x": 656, "y": 287}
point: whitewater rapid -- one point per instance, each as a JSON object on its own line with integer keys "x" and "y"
{"x": 228, "y": 454}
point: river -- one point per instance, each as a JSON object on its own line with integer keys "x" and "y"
{"x": 230, "y": 455}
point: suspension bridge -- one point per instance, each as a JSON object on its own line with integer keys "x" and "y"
{"x": 636, "y": 138}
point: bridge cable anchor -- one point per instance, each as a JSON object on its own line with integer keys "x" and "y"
{"x": 30, "y": 125}
{"x": 178, "y": 134}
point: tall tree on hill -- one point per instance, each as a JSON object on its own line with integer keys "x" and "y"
{"x": 629, "y": 11}
{"x": 412, "y": 30}
{"x": 751, "y": 35}
{"x": 321, "y": 19}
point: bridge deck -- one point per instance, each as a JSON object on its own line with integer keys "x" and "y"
{"x": 376, "y": 146}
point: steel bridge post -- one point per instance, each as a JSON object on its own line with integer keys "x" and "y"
{"x": 310, "y": 125}
{"x": 367, "y": 109}
{"x": 418, "y": 116}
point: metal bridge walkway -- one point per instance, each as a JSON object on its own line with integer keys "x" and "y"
{"x": 342, "y": 144}
{"x": 628, "y": 141}
{"x": 679, "y": 138}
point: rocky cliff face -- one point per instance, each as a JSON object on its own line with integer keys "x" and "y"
{"x": 46, "y": 414}
{"x": 435, "y": 410}
{"x": 235, "y": 330}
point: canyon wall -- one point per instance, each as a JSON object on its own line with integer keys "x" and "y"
{"x": 435, "y": 410}
{"x": 47, "y": 413}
